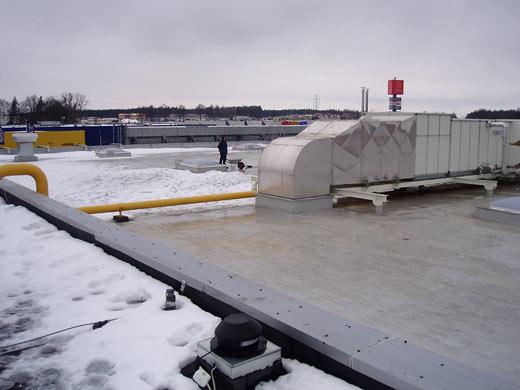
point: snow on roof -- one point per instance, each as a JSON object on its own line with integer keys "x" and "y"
{"x": 52, "y": 281}
{"x": 80, "y": 179}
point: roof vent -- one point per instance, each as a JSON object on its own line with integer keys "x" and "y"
{"x": 238, "y": 335}
{"x": 237, "y": 358}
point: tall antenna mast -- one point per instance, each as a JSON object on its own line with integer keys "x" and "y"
{"x": 316, "y": 103}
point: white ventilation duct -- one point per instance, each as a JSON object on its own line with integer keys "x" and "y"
{"x": 338, "y": 153}
{"x": 378, "y": 148}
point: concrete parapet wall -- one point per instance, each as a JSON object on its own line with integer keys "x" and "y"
{"x": 143, "y": 134}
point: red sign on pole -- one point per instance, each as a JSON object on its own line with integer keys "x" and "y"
{"x": 395, "y": 87}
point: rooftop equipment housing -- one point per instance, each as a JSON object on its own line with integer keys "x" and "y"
{"x": 238, "y": 357}
{"x": 297, "y": 173}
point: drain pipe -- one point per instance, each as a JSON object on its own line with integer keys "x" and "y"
{"x": 148, "y": 204}
{"x": 42, "y": 185}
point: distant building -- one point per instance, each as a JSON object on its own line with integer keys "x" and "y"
{"x": 131, "y": 117}
{"x": 49, "y": 123}
{"x": 187, "y": 117}
{"x": 92, "y": 120}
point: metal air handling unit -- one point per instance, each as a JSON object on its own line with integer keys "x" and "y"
{"x": 382, "y": 152}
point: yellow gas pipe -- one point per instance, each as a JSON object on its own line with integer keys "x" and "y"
{"x": 148, "y": 204}
{"x": 42, "y": 185}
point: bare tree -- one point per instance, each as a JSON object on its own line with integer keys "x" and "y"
{"x": 29, "y": 104}
{"x": 40, "y": 106}
{"x": 73, "y": 101}
{"x": 4, "y": 108}
{"x": 73, "y": 104}
{"x": 182, "y": 111}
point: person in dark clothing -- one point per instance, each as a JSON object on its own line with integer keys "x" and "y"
{"x": 222, "y": 148}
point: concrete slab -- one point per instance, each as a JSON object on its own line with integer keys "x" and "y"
{"x": 294, "y": 205}
{"x": 20, "y": 158}
{"x": 112, "y": 153}
{"x": 506, "y": 210}
{"x": 426, "y": 271}
{"x": 200, "y": 165}
{"x": 169, "y": 159}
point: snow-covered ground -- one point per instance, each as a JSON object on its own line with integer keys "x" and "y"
{"x": 50, "y": 281}
{"x": 82, "y": 179}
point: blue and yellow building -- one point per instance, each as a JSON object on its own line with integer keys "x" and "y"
{"x": 67, "y": 135}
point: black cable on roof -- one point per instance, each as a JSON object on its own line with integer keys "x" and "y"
{"x": 95, "y": 325}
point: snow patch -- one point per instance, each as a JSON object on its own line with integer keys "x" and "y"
{"x": 51, "y": 281}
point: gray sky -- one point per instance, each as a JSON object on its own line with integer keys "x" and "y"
{"x": 454, "y": 56}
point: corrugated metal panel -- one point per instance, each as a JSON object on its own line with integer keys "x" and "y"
{"x": 483, "y": 144}
{"x": 500, "y": 150}
{"x": 432, "y": 164}
{"x": 455, "y": 147}
{"x": 445, "y": 126}
{"x": 464, "y": 146}
{"x": 422, "y": 124}
{"x": 103, "y": 135}
{"x": 495, "y": 146}
{"x": 514, "y": 138}
{"x": 434, "y": 124}
{"x": 434, "y": 153}
{"x": 421, "y": 154}
{"x": 491, "y": 149}
{"x": 480, "y": 145}
{"x": 444, "y": 154}
{"x": 474, "y": 145}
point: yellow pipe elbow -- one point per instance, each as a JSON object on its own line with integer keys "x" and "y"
{"x": 42, "y": 185}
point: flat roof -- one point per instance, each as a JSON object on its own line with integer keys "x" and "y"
{"x": 427, "y": 271}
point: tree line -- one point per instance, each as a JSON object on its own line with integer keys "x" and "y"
{"x": 215, "y": 111}
{"x": 70, "y": 107}
{"x": 494, "y": 114}
{"x": 66, "y": 108}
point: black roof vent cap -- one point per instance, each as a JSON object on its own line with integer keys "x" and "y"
{"x": 238, "y": 335}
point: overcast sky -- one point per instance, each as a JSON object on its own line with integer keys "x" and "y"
{"x": 454, "y": 55}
